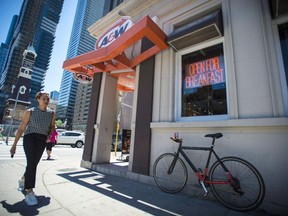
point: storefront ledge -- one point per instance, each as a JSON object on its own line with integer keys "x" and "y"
{"x": 106, "y": 170}
{"x": 110, "y": 169}
{"x": 256, "y": 122}
{"x": 140, "y": 178}
{"x": 85, "y": 164}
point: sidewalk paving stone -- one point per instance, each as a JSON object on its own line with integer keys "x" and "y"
{"x": 64, "y": 188}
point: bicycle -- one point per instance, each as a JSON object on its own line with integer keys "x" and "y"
{"x": 235, "y": 182}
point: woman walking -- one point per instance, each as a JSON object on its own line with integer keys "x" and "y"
{"x": 53, "y": 141}
{"x": 38, "y": 123}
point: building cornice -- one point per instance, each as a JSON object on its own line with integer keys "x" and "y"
{"x": 130, "y": 8}
{"x": 137, "y": 9}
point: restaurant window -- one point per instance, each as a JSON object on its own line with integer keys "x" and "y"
{"x": 283, "y": 34}
{"x": 203, "y": 82}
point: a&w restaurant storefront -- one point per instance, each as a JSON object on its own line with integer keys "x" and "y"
{"x": 194, "y": 67}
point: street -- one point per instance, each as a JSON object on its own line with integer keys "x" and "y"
{"x": 64, "y": 188}
{"x": 58, "y": 151}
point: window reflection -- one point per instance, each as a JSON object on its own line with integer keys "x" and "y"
{"x": 283, "y": 34}
{"x": 204, "y": 82}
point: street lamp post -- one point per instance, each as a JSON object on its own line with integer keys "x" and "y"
{"x": 12, "y": 115}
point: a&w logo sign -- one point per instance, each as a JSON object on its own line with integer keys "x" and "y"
{"x": 113, "y": 32}
{"x": 83, "y": 78}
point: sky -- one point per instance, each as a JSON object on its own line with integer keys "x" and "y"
{"x": 9, "y": 8}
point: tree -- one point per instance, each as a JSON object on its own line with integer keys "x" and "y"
{"x": 59, "y": 123}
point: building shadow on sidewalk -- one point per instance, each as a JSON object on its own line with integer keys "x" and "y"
{"x": 147, "y": 198}
{"x": 24, "y": 210}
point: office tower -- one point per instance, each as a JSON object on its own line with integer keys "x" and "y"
{"x": 84, "y": 91}
{"x": 54, "y": 95}
{"x": 36, "y": 26}
{"x": 82, "y": 107}
{"x": 11, "y": 29}
{"x": 87, "y": 13}
{"x": 5, "y": 46}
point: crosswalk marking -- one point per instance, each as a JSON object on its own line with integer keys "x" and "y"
{"x": 5, "y": 152}
{"x": 20, "y": 154}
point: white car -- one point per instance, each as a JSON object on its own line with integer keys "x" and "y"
{"x": 60, "y": 130}
{"x": 72, "y": 138}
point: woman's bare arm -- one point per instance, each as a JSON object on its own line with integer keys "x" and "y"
{"x": 20, "y": 130}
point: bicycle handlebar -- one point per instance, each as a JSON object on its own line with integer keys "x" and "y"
{"x": 178, "y": 140}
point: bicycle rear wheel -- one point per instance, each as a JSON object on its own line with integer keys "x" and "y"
{"x": 176, "y": 180}
{"x": 247, "y": 190}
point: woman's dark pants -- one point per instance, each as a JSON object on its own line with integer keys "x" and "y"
{"x": 34, "y": 145}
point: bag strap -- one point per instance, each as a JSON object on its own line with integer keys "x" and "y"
{"x": 50, "y": 127}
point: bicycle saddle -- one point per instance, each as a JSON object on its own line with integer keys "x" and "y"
{"x": 216, "y": 135}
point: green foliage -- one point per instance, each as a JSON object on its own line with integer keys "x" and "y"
{"x": 59, "y": 123}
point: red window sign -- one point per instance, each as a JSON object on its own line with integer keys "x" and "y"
{"x": 207, "y": 72}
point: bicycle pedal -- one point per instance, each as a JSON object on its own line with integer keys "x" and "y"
{"x": 204, "y": 188}
{"x": 206, "y": 194}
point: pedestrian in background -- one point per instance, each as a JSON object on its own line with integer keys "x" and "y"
{"x": 1, "y": 136}
{"x": 50, "y": 145}
{"x": 38, "y": 123}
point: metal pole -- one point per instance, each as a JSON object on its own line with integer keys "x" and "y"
{"x": 13, "y": 113}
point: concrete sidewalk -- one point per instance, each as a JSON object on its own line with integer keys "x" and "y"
{"x": 63, "y": 188}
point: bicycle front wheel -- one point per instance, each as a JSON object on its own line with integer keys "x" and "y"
{"x": 245, "y": 191}
{"x": 170, "y": 182}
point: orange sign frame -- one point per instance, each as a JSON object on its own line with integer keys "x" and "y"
{"x": 101, "y": 60}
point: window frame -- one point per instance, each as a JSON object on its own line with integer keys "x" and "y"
{"x": 178, "y": 83}
{"x": 280, "y": 63}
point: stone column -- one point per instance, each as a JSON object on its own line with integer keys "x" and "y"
{"x": 106, "y": 118}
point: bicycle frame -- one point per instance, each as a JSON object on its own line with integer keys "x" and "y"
{"x": 201, "y": 176}
{"x": 225, "y": 176}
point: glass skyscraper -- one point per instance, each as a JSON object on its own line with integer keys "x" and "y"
{"x": 54, "y": 95}
{"x": 5, "y": 46}
{"x": 87, "y": 13}
{"x": 35, "y": 26}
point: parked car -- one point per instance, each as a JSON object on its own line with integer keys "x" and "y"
{"x": 119, "y": 144}
{"x": 59, "y": 130}
{"x": 72, "y": 138}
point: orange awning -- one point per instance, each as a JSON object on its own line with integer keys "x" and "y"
{"x": 113, "y": 58}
